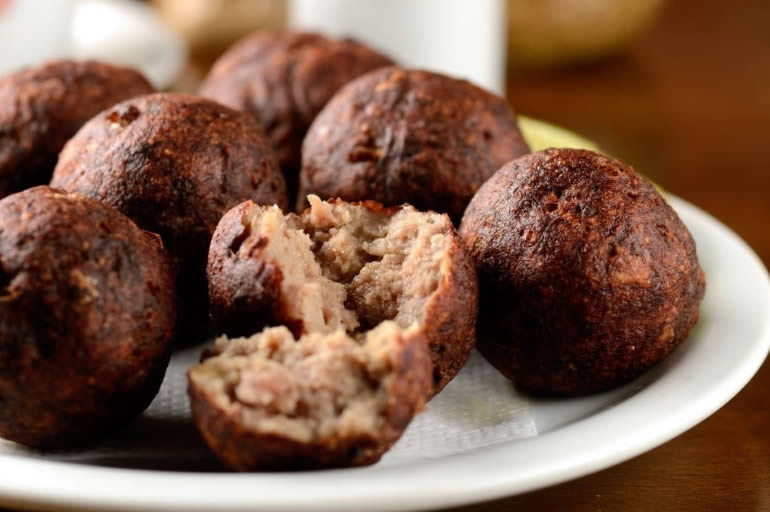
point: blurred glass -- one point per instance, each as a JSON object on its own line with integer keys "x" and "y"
{"x": 211, "y": 26}
{"x": 555, "y": 32}
{"x": 456, "y": 37}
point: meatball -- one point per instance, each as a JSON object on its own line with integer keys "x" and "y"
{"x": 400, "y": 136}
{"x": 587, "y": 275}
{"x": 284, "y": 79}
{"x": 346, "y": 266}
{"x": 325, "y": 400}
{"x": 87, "y": 313}
{"x": 42, "y": 107}
{"x": 174, "y": 163}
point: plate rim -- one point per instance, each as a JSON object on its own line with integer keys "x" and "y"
{"x": 163, "y": 490}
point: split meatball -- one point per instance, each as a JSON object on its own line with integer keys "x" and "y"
{"x": 346, "y": 266}
{"x": 324, "y": 400}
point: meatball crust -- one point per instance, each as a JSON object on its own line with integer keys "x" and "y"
{"x": 42, "y": 107}
{"x": 173, "y": 163}
{"x": 284, "y": 79}
{"x": 404, "y": 136}
{"x": 587, "y": 275}
{"x": 87, "y": 313}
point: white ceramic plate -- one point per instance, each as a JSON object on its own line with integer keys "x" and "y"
{"x": 574, "y": 436}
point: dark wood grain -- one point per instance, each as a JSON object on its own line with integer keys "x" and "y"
{"x": 690, "y": 106}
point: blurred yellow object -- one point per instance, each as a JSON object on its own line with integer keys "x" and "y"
{"x": 553, "y": 32}
{"x": 541, "y": 135}
{"x": 210, "y": 26}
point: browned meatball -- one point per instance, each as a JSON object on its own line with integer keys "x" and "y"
{"x": 42, "y": 107}
{"x": 587, "y": 275}
{"x": 346, "y": 266}
{"x": 87, "y": 312}
{"x": 325, "y": 400}
{"x": 284, "y": 79}
{"x": 399, "y": 136}
{"x": 174, "y": 163}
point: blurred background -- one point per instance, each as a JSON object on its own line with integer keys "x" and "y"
{"x": 677, "y": 88}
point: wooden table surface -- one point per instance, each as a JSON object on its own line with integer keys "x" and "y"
{"x": 690, "y": 106}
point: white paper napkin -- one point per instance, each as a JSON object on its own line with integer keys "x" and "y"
{"x": 478, "y": 408}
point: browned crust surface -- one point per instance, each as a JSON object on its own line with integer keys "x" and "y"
{"x": 87, "y": 313}
{"x": 403, "y": 136}
{"x": 449, "y": 323}
{"x": 174, "y": 163}
{"x": 244, "y": 449}
{"x": 284, "y": 79}
{"x": 42, "y": 107}
{"x": 587, "y": 275}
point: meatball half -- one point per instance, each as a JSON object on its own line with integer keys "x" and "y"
{"x": 284, "y": 79}
{"x": 324, "y": 400}
{"x": 346, "y": 266}
{"x": 87, "y": 313}
{"x": 404, "y": 136}
{"x": 173, "y": 163}
{"x": 587, "y": 275}
{"x": 42, "y": 107}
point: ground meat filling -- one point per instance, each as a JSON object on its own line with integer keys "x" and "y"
{"x": 351, "y": 266}
{"x": 310, "y": 296}
{"x": 320, "y": 387}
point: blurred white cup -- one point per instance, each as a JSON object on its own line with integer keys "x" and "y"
{"x": 457, "y": 37}
{"x": 129, "y": 33}
{"x": 33, "y": 31}
{"x": 118, "y": 31}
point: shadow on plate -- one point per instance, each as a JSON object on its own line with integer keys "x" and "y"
{"x": 151, "y": 443}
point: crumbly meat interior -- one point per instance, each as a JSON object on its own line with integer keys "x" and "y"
{"x": 322, "y": 386}
{"x": 353, "y": 266}
{"x": 310, "y": 295}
